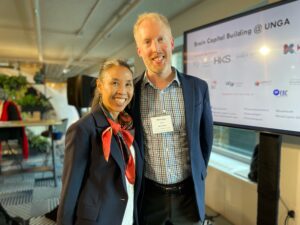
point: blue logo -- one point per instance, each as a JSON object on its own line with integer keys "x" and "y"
{"x": 278, "y": 92}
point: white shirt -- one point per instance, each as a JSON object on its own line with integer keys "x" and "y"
{"x": 128, "y": 215}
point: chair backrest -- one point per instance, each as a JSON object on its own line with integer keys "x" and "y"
{"x": 60, "y": 130}
{"x": 11, "y": 112}
{"x": 62, "y": 127}
{"x": 11, "y": 133}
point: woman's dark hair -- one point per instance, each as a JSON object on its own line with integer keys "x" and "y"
{"x": 104, "y": 67}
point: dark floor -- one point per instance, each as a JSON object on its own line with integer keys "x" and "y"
{"x": 31, "y": 195}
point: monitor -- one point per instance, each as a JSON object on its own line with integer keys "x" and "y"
{"x": 251, "y": 62}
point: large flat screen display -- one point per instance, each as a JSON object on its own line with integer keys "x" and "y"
{"x": 251, "y": 63}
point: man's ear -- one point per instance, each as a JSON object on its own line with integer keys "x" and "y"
{"x": 138, "y": 51}
{"x": 172, "y": 43}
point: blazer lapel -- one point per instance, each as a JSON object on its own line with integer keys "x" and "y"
{"x": 189, "y": 102}
{"x": 136, "y": 113}
{"x": 115, "y": 153}
{"x": 138, "y": 161}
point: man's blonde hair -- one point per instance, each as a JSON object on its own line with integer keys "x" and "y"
{"x": 150, "y": 15}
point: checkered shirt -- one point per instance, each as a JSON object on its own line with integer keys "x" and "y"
{"x": 166, "y": 154}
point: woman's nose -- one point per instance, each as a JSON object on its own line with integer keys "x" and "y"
{"x": 122, "y": 89}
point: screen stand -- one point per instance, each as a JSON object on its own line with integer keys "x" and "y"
{"x": 268, "y": 178}
{"x": 79, "y": 111}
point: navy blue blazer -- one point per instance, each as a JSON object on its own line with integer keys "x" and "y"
{"x": 199, "y": 127}
{"x": 94, "y": 191}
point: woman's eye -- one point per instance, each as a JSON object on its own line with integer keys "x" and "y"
{"x": 147, "y": 42}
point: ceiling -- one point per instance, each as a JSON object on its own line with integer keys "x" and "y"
{"x": 65, "y": 38}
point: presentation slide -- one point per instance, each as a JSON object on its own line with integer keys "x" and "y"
{"x": 252, "y": 66}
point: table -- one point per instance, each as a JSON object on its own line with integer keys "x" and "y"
{"x": 50, "y": 124}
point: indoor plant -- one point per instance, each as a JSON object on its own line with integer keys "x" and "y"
{"x": 14, "y": 86}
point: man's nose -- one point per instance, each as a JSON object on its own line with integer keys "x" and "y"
{"x": 155, "y": 46}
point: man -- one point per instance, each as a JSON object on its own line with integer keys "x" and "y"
{"x": 173, "y": 127}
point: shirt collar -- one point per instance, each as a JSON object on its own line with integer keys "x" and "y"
{"x": 147, "y": 81}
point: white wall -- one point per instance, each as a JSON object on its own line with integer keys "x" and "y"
{"x": 236, "y": 199}
{"x": 130, "y": 52}
{"x": 59, "y": 101}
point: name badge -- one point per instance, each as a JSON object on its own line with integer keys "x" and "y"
{"x": 162, "y": 124}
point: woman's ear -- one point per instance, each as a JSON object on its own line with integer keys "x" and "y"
{"x": 99, "y": 85}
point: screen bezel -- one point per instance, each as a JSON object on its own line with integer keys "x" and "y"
{"x": 249, "y": 12}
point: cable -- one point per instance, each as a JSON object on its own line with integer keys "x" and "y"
{"x": 210, "y": 219}
{"x": 286, "y": 220}
{"x": 283, "y": 203}
{"x": 290, "y": 213}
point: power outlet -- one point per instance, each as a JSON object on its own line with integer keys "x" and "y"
{"x": 291, "y": 213}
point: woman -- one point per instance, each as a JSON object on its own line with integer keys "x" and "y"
{"x": 103, "y": 166}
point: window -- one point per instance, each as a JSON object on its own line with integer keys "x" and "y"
{"x": 177, "y": 62}
{"x": 234, "y": 142}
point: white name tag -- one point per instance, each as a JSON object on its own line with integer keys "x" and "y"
{"x": 162, "y": 124}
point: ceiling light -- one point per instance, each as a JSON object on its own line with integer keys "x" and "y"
{"x": 66, "y": 70}
{"x": 4, "y": 64}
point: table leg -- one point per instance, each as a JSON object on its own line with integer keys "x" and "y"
{"x": 53, "y": 156}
